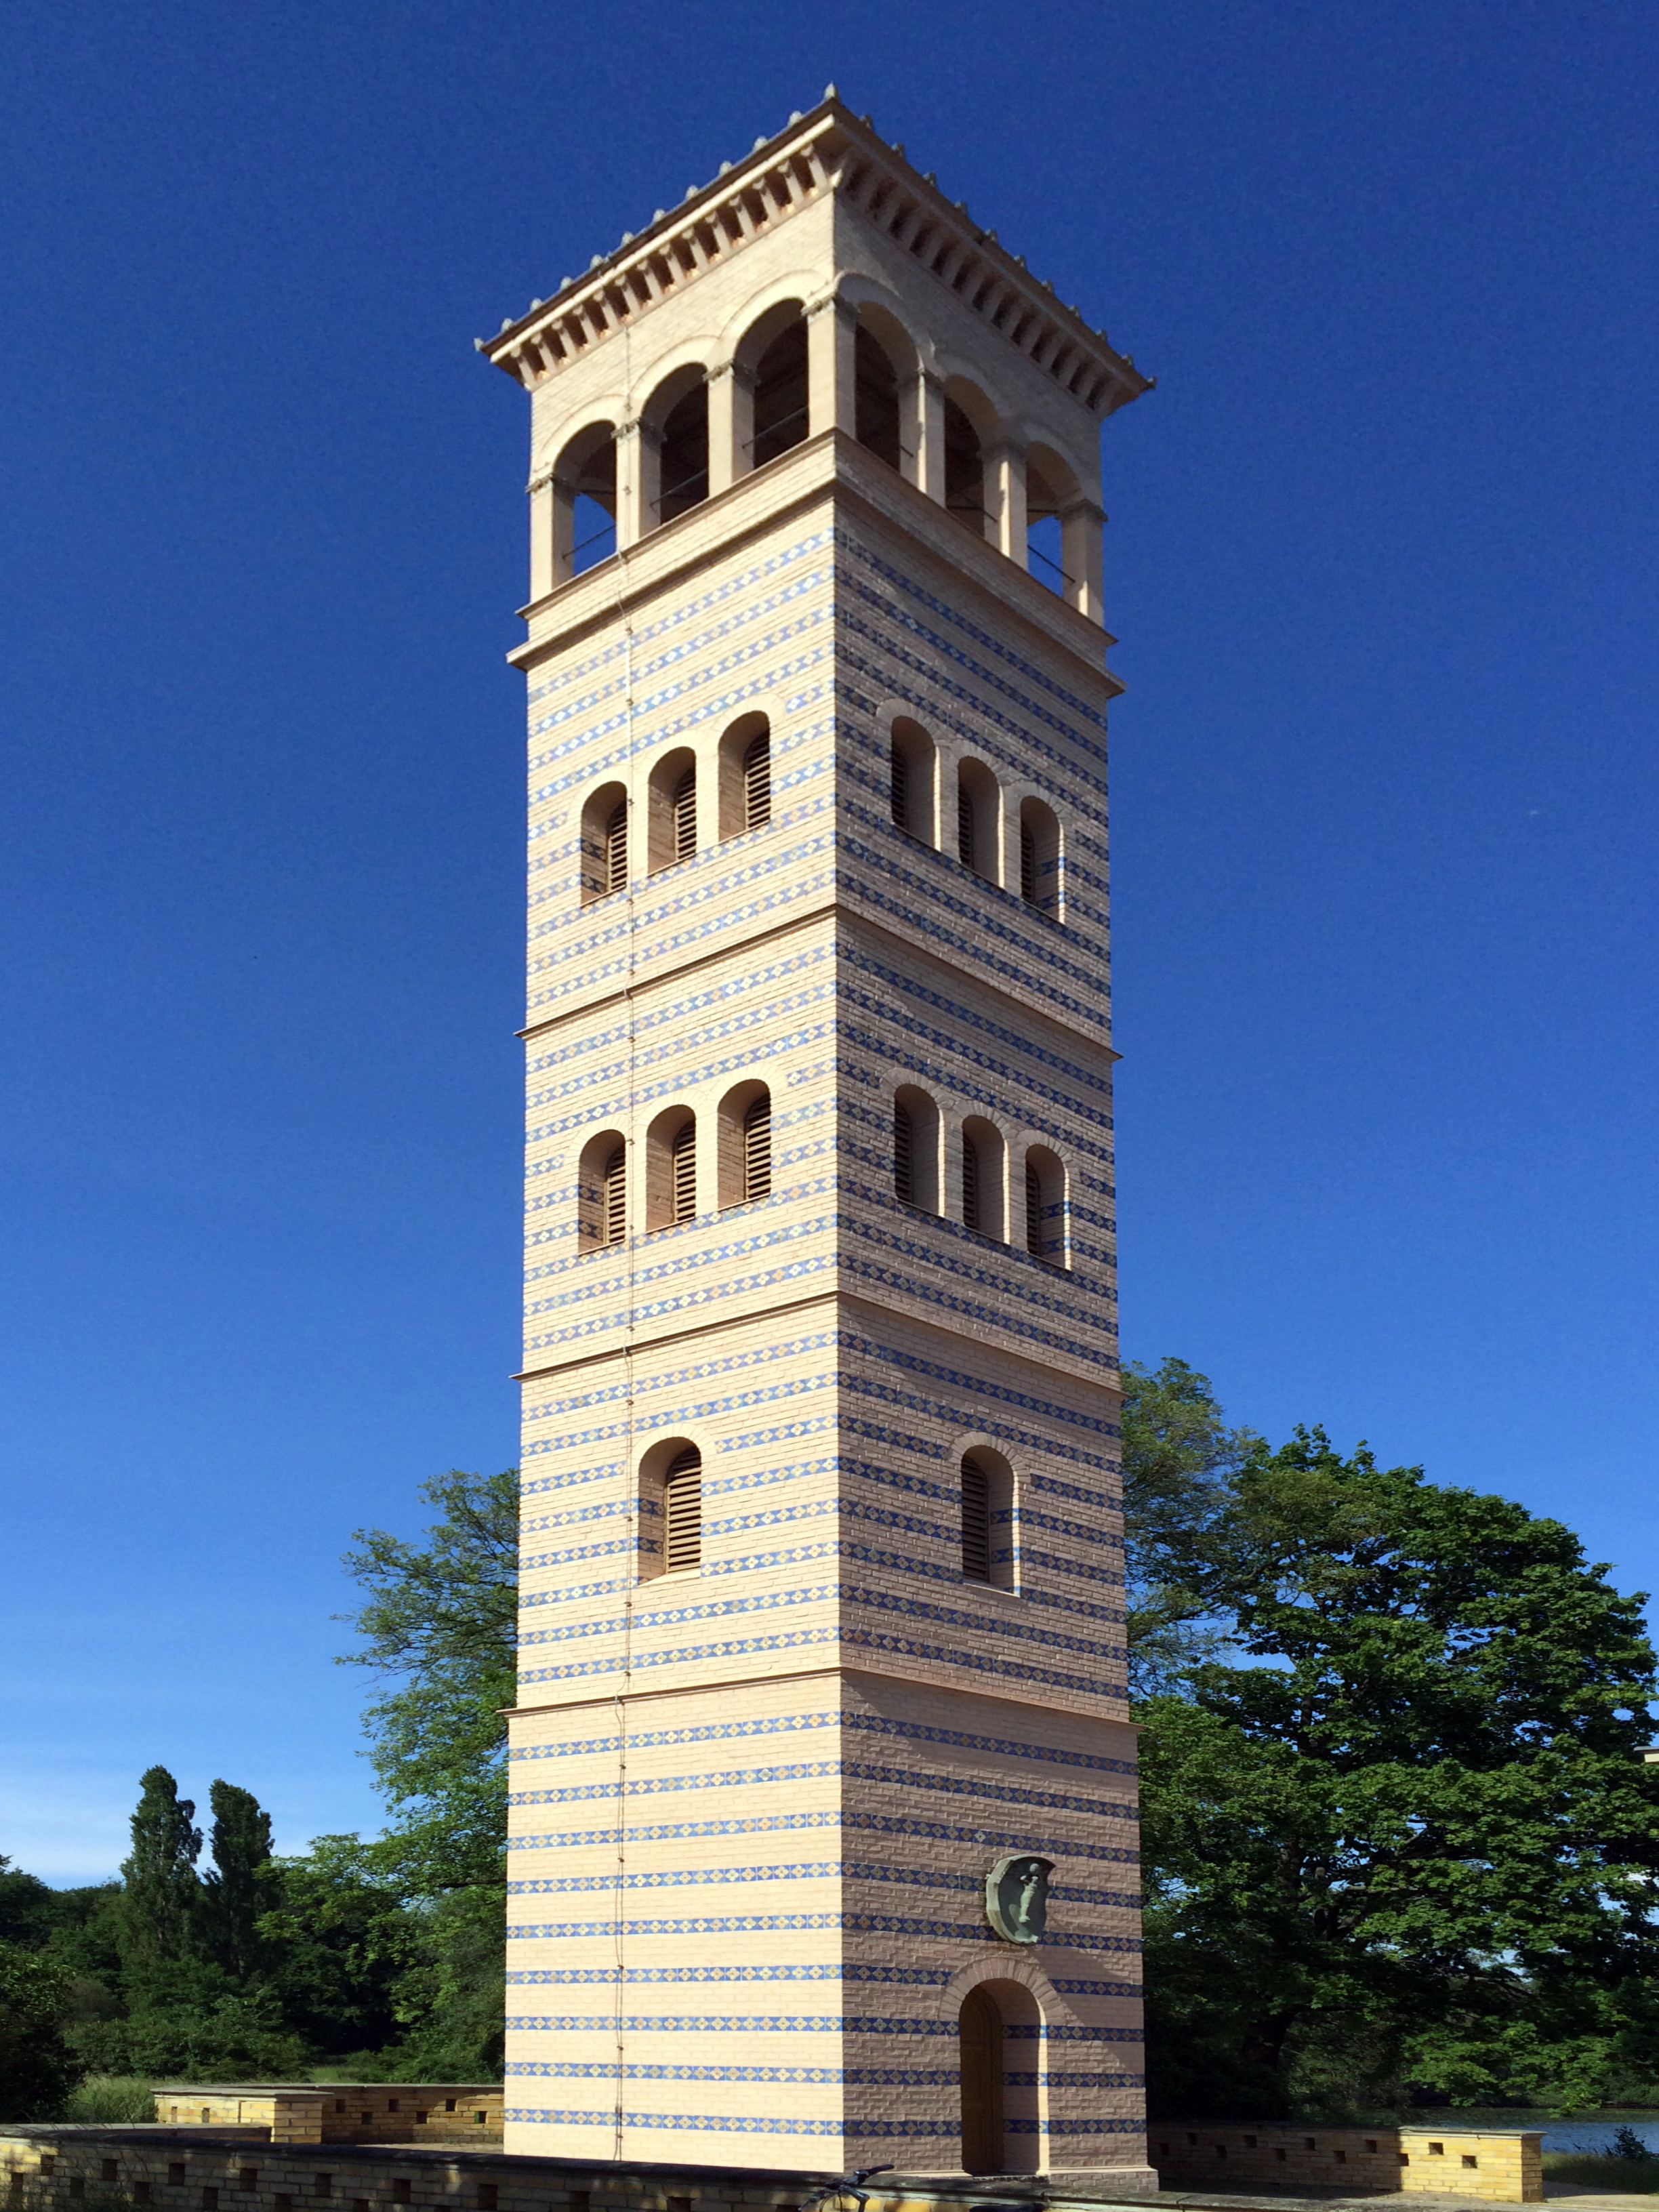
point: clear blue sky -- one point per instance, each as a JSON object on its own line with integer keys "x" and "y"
{"x": 1381, "y": 559}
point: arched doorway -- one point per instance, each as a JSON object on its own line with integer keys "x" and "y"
{"x": 980, "y": 2030}
{"x": 999, "y": 2033}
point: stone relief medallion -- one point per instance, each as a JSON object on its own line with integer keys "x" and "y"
{"x": 1017, "y": 1897}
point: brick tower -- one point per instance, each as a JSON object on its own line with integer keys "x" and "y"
{"x": 822, "y": 1624}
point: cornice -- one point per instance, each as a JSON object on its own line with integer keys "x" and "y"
{"x": 828, "y": 151}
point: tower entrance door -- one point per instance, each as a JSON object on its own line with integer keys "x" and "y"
{"x": 980, "y": 2029}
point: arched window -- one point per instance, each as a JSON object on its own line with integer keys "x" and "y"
{"x": 670, "y": 1169}
{"x": 780, "y": 374}
{"x": 1046, "y": 1224}
{"x": 681, "y": 1511}
{"x": 978, "y": 804}
{"x": 673, "y": 808}
{"x": 602, "y": 1191}
{"x": 1039, "y": 857}
{"x": 964, "y": 468}
{"x": 745, "y": 758}
{"x": 876, "y": 402}
{"x": 984, "y": 1177}
{"x": 912, "y": 771}
{"x": 671, "y": 1508}
{"x": 585, "y": 502}
{"x": 675, "y": 431}
{"x": 987, "y": 1536}
{"x": 746, "y": 1144}
{"x": 604, "y": 842}
{"x": 916, "y": 1149}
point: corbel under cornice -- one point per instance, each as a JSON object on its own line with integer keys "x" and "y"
{"x": 829, "y": 150}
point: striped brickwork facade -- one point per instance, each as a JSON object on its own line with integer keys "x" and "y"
{"x": 754, "y": 1803}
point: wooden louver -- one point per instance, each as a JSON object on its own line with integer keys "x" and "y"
{"x": 975, "y": 1523}
{"x": 615, "y": 856}
{"x": 1027, "y": 867}
{"x": 683, "y": 1510}
{"x": 901, "y": 788}
{"x": 757, "y": 780}
{"x": 683, "y": 812}
{"x": 613, "y": 1197}
{"x": 1035, "y": 1235}
{"x": 904, "y": 1179}
{"x": 965, "y": 827}
{"x": 969, "y": 1183}
{"x": 682, "y": 1169}
{"x": 757, "y": 1148}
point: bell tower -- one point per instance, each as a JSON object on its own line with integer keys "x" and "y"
{"x": 822, "y": 1801}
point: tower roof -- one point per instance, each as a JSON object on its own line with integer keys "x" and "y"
{"x": 828, "y": 150}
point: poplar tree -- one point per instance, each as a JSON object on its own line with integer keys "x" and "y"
{"x": 161, "y": 1904}
{"x": 237, "y": 1887}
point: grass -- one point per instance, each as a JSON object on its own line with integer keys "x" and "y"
{"x": 112, "y": 2100}
{"x": 1622, "y": 2176}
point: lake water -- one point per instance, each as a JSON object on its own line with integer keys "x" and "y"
{"x": 1594, "y": 2132}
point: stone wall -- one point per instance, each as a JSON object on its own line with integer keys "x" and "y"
{"x": 344, "y": 2111}
{"x": 1507, "y": 2167}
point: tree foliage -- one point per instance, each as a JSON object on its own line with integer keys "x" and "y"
{"x": 439, "y": 1625}
{"x": 36, "y": 2067}
{"x": 1399, "y": 1835}
{"x": 237, "y": 1888}
{"x": 1180, "y": 1456}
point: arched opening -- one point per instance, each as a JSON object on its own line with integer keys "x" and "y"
{"x": 1050, "y": 487}
{"x": 1046, "y": 1222}
{"x": 964, "y": 466}
{"x": 877, "y": 410}
{"x": 602, "y": 1191}
{"x": 1039, "y": 857}
{"x": 988, "y": 1520}
{"x": 604, "y": 842}
{"x": 585, "y": 502}
{"x": 671, "y": 1508}
{"x": 999, "y": 2025}
{"x": 746, "y": 1144}
{"x": 978, "y": 806}
{"x": 984, "y": 1179}
{"x": 912, "y": 770}
{"x": 673, "y": 808}
{"x": 670, "y": 1169}
{"x": 675, "y": 422}
{"x": 746, "y": 774}
{"x": 776, "y": 350}
{"x": 916, "y": 1149}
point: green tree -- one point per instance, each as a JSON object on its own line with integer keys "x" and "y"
{"x": 1180, "y": 1456}
{"x": 237, "y": 1888}
{"x": 36, "y": 2070}
{"x": 27, "y": 1912}
{"x": 440, "y": 1623}
{"x": 342, "y": 1942}
{"x": 162, "y": 1893}
{"x": 440, "y": 1627}
{"x": 1405, "y": 1836}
